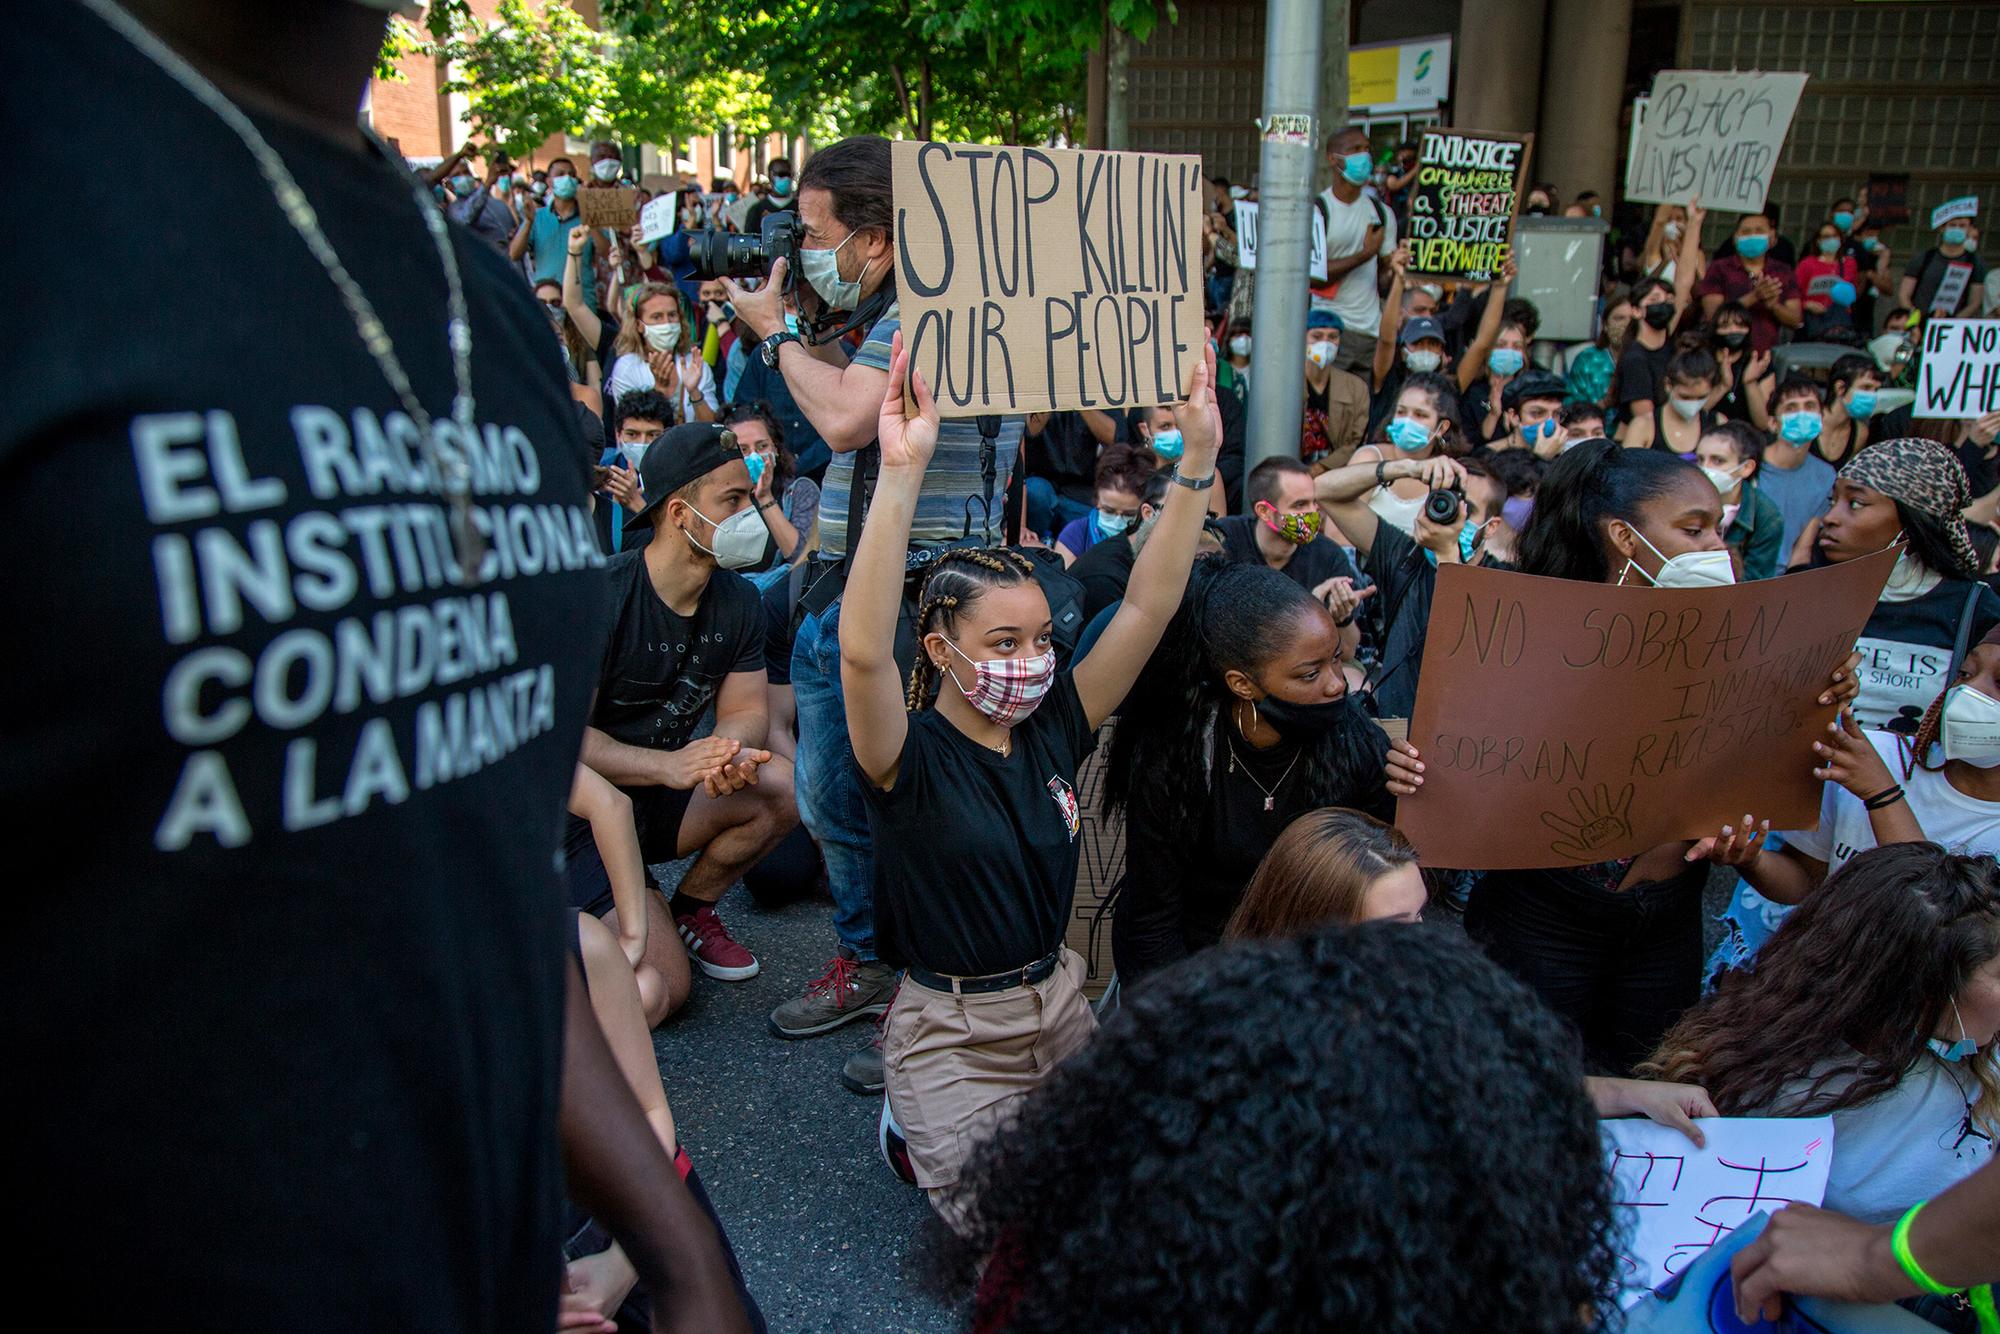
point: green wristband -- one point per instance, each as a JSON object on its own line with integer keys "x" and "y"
{"x": 1899, "y": 1243}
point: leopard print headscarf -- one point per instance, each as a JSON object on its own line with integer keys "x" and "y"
{"x": 1923, "y": 475}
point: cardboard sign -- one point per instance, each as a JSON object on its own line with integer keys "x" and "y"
{"x": 1965, "y": 206}
{"x": 1959, "y": 377}
{"x": 1463, "y": 205}
{"x": 1677, "y": 1200}
{"x": 1714, "y": 135}
{"x": 1563, "y": 723}
{"x": 1038, "y": 280}
{"x": 657, "y": 219}
{"x": 1098, "y": 869}
{"x": 1888, "y": 199}
{"x": 608, "y": 206}
{"x": 1247, "y": 216}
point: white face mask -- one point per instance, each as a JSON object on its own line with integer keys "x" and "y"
{"x": 1322, "y": 354}
{"x": 1423, "y": 363}
{"x": 1971, "y": 728}
{"x": 1688, "y": 408}
{"x": 663, "y": 337}
{"x": 1690, "y": 569}
{"x": 740, "y": 539}
{"x": 607, "y": 169}
{"x": 1240, "y": 345}
{"x": 1724, "y": 478}
{"x": 1673, "y": 231}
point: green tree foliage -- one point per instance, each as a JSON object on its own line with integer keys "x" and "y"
{"x": 399, "y": 41}
{"x": 534, "y": 73}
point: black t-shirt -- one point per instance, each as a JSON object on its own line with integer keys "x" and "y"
{"x": 291, "y": 992}
{"x": 1906, "y": 650}
{"x": 1472, "y": 407}
{"x": 995, "y": 893}
{"x": 1642, "y": 375}
{"x": 1104, "y": 570}
{"x": 1404, "y": 580}
{"x": 662, "y": 669}
{"x": 1066, "y": 454}
{"x": 753, "y": 217}
{"x": 1982, "y": 468}
{"x": 1310, "y": 566}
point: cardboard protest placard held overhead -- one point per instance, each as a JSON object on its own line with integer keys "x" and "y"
{"x": 614, "y": 207}
{"x": 1462, "y": 208}
{"x": 1563, "y": 723}
{"x": 1036, "y": 280}
{"x": 1959, "y": 377}
{"x": 1712, "y": 135}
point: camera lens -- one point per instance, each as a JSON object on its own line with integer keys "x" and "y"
{"x": 720, "y": 254}
{"x": 1441, "y": 506}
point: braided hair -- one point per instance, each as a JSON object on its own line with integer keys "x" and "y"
{"x": 953, "y": 585}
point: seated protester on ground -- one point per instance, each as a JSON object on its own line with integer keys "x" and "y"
{"x": 687, "y": 632}
{"x": 1729, "y": 454}
{"x": 598, "y": 1278}
{"x": 1503, "y": 482}
{"x": 1762, "y": 282}
{"x": 1403, "y": 567}
{"x": 1422, "y": 352}
{"x": 1425, "y": 426}
{"x": 1640, "y": 388}
{"x": 1820, "y": 275}
{"x": 1242, "y": 721}
{"x": 1690, "y": 382}
{"x": 1877, "y": 1002}
{"x": 656, "y": 350}
{"x": 1415, "y": 342}
{"x": 1661, "y": 255}
{"x": 758, "y": 383}
{"x": 1232, "y": 1153}
{"x": 1938, "y": 270}
{"x": 1943, "y": 786}
{"x": 1282, "y": 531}
{"x": 1588, "y": 369}
{"x": 1531, "y": 410}
{"x": 1122, "y": 472}
{"x": 1801, "y": 484}
{"x": 1336, "y": 400}
{"x": 1235, "y": 366}
{"x": 1582, "y": 421}
{"x": 1480, "y": 404}
{"x": 788, "y": 503}
{"x": 1340, "y": 867}
{"x": 1614, "y": 947}
{"x": 990, "y": 1000}
{"x": 1154, "y": 429}
{"x": 1062, "y": 449}
{"x": 1851, "y": 386}
{"x": 1935, "y": 607}
{"x": 1745, "y": 374}
{"x": 1106, "y": 568}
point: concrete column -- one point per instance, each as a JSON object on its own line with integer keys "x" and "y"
{"x": 1577, "y": 147}
{"x": 1332, "y": 66}
{"x": 1500, "y": 66}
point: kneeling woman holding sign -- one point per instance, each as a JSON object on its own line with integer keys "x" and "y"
{"x": 972, "y": 803}
{"x": 1615, "y": 946}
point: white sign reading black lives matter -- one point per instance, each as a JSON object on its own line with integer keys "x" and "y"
{"x": 1712, "y": 136}
{"x": 1046, "y": 279}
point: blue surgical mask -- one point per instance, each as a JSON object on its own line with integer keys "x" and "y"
{"x": 1801, "y": 428}
{"x": 1861, "y": 404}
{"x": 1843, "y": 219}
{"x": 1468, "y": 538}
{"x": 1870, "y": 244}
{"x": 1110, "y": 523}
{"x": 1954, "y": 1051}
{"x": 1408, "y": 433}
{"x": 1829, "y": 245}
{"x": 564, "y": 187}
{"x": 781, "y": 186}
{"x": 1752, "y": 247}
{"x": 1356, "y": 168}
{"x": 1954, "y": 235}
{"x": 1167, "y": 444}
{"x": 1541, "y": 430}
{"x": 463, "y": 185}
{"x": 821, "y": 270}
{"x": 1505, "y": 361}
{"x": 1516, "y": 510}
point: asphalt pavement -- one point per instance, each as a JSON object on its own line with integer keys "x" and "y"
{"x": 822, "y": 1229}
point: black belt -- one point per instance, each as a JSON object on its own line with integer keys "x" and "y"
{"x": 978, "y": 986}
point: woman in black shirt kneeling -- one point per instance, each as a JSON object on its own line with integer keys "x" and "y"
{"x": 973, "y": 803}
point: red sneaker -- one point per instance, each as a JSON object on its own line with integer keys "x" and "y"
{"x": 713, "y": 949}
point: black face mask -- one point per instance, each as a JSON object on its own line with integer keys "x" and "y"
{"x": 1733, "y": 339}
{"x": 1660, "y": 314}
{"x": 1305, "y": 722}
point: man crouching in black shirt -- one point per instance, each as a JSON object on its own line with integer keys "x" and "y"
{"x": 687, "y": 632}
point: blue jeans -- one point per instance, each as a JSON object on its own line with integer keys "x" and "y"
{"x": 825, "y": 782}
{"x": 1044, "y": 500}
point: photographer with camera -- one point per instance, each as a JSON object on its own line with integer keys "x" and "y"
{"x": 843, "y": 245}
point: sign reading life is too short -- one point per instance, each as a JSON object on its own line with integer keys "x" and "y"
{"x": 1045, "y": 279}
{"x": 1563, "y": 723}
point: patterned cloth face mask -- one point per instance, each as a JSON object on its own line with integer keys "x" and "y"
{"x": 1005, "y": 689}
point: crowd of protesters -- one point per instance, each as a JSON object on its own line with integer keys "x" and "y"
{"x": 804, "y": 635}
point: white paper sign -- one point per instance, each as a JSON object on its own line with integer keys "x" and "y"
{"x": 1246, "y": 239}
{"x": 1965, "y": 206}
{"x": 1712, "y": 134}
{"x": 657, "y": 218}
{"x": 1674, "y": 1201}
{"x": 1951, "y": 287}
{"x": 1960, "y": 375}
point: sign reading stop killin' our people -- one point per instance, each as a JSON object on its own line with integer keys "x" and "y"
{"x": 1038, "y": 280}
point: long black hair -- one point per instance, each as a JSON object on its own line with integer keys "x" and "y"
{"x": 1584, "y": 489}
{"x": 1230, "y": 619}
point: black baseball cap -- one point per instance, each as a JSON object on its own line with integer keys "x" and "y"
{"x": 1418, "y": 329}
{"x": 688, "y": 452}
{"x": 1533, "y": 384}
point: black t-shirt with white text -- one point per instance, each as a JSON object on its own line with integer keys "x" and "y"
{"x": 662, "y": 669}
{"x": 975, "y": 852}
{"x": 1906, "y": 651}
{"x": 290, "y": 991}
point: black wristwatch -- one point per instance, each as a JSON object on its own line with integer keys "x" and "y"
{"x": 1180, "y": 478}
{"x": 768, "y": 349}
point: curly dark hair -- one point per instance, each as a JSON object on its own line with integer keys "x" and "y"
{"x": 1229, "y": 618}
{"x": 1366, "y": 1128}
{"x": 1849, "y": 990}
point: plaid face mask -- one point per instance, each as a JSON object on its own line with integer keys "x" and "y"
{"x": 1006, "y": 689}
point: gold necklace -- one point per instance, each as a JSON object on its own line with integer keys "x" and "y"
{"x": 1271, "y": 792}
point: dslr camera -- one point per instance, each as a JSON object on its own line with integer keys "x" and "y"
{"x": 1441, "y": 505}
{"x": 721, "y": 254}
